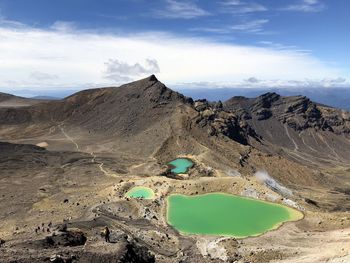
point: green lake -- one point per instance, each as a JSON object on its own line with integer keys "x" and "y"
{"x": 140, "y": 192}
{"x": 226, "y": 215}
{"x": 180, "y": 165}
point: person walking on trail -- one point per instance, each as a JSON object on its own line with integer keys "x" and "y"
{"x": 107, "y": 234}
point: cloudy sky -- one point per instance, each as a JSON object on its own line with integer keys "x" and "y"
{"x": 75, "y": 44}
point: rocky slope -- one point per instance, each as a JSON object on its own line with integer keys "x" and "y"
{"x": 5, "y": 96}
{"x": 11, "y": 101}
{"x": 307, "y": 132}
{"x": 297, "y": 112}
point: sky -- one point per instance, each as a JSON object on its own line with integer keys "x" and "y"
{"x": 77, "y": 44}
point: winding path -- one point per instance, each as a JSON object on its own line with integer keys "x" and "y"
{"x": 68, "y": 137}
{"x": 296, "y": 147}
{"x": 93, "y": 156}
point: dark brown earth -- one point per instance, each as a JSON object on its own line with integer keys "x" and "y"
{"x": 65, "y": 167}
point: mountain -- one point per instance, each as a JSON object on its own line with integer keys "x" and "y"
{"x": 334, "y": 97}
{"x": 11, "y": 101}
{"x": 68, "y": 163}
{"x": 44, "y": 98}
{"x": 5, "y": 96}
{"x": 310, "y": 132}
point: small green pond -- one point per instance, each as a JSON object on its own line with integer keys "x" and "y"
{"x": 226, "y": 215}
{"x": 180, "y": 165}
{"x": 140, "y": 192}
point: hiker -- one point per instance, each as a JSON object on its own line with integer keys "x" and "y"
{"x": 107, "y": 234}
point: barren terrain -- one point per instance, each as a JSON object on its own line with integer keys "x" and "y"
{"x": 66, "y": 165}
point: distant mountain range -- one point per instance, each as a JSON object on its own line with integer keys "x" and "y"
{"x": 45, "y": 98}
{"x": 335, "y": 97}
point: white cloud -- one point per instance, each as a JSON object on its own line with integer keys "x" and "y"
{"x": 251, "y": 26}
{"x": 307, "y": 6}
{"x": 42, "y": 76}
{"x": 217, "y": 30}
{"x": 184, "y": 9}
{"x": 282, "y": 47}
{"x": 79, "y": 58}
{"x": 232, "y": 2}
{"x": 122, "y": 71}
{"x": 4, "y": 22}
{"x": 241, "y": 7}
{"x": 254, "y": 82}
{"x": 311, "y": 83}
{"x": 64, "y": 26}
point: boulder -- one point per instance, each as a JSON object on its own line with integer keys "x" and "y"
{"x": 69, "y": 238}
{"x": 208, "y": 114}
{"x": 57, "y": 259}
{"x": 117, "y": 236}
{"x": 136, "y": 253}
{"x": 201, "y": 105}
{"x": 2, "y": 242}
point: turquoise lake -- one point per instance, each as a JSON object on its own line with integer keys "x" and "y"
{"x": 140, "y": 192}
{"x": 226, "y": 215}
{"x": 180, "y": 165}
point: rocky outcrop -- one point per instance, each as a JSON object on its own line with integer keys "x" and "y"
{"x": 219, "y": 122}
{"x": 301, "y": 113}
{"x": 265, "y": 101}
{"x": 136, "y": 254}
{"x": 263, "y": 114}
{"x": 68, "y": 238}
{"x": 298, "y": 112}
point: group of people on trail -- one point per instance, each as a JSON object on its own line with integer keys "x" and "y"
{"x": 43, "y": 229}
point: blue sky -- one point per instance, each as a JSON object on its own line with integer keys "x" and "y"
{"x": 194, "y": 43}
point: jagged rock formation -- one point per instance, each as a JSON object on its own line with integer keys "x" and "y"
{"x": 298, "y": 112}
{"x": 217, "y": 121}
{"x": 305, "y": 131}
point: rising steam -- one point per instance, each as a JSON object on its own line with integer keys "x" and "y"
{"x": 266, "y": 179}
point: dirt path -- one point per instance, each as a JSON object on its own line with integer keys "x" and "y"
{"x": 303, "y": 140}
{"x": 100, "y": 165}
{"x": 93, "y": 156}
{"x": 296, "y": 147}
{"x": 336, "y": 156}
{"x": 68, "y": 137}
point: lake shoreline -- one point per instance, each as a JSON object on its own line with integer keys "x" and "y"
{"x": 294, "y": 215}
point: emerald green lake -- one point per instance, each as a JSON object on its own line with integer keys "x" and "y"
{"x": 181, "y": 165}
{"x": 140, "y": 192}
{"x": 227, "y": 215}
